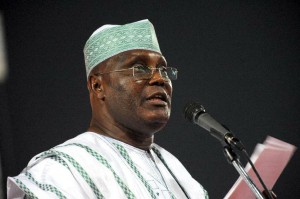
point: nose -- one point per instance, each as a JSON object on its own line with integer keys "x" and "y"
{"x": 157, "y": 78}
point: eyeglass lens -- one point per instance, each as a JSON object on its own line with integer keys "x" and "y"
{"x": 144, "y": 72}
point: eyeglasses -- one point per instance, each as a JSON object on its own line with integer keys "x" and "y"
{"x": 142, "y": 72}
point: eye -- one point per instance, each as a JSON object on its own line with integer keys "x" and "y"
{"x": 140, "y": 68}
{"x": 164, "y": 71}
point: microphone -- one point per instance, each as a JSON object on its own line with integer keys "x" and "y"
{"x": 196, "y": 114}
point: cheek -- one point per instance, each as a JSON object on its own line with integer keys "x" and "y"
{"x": 135, "y": 93}
{"x": 129, "y": 92}
{"x": 119, "y": 86}
{"x": 170, "y": 89}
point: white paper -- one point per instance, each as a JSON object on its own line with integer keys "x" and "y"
{"x": 269, "y": 158}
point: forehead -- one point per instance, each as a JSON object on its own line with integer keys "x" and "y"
{"x": 126, "y": 58}
{"x": 139, "y": 55}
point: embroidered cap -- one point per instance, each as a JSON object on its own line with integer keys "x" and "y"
{"x": 109, "y": 40}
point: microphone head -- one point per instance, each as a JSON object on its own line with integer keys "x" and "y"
{"x": 191, "y": 110}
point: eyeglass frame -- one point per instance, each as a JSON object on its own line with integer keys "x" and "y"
{"x": 152, "y": 72}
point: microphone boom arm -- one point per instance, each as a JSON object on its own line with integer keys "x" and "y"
{"x": 233, "y": 159}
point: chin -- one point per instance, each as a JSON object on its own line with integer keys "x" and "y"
{"x": 157, "y": 123}
{"x": 155, "y": 120}
{"x": 155, "y": 127}
{"x": 159, "y": 117}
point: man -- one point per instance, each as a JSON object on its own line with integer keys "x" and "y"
{"x": 130, "y": 94}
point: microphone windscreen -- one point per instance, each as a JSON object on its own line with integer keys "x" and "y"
{"x": 191, "y": 110}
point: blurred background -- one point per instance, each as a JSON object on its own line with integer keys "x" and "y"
{"x": 240, "y": 59}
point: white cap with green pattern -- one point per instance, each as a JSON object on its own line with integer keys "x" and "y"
{"x": 109, "y": 40}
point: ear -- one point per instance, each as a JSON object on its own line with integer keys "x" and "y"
{"x": 95, "y": 86}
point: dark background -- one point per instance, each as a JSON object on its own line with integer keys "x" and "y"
{"x": 240, "y": 59}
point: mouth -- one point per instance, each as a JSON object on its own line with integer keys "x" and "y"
{"x": 158, "y": 98}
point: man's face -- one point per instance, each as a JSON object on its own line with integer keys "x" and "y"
{"x": 139, "y": 106}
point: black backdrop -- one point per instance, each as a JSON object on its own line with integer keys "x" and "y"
{"x": 240, "y": 59}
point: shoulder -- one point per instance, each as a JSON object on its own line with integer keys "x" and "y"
{"x": 55, "y": 172}
{"x": 49, "y": 178}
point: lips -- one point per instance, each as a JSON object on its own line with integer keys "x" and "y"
{"x": 158, "y": 97}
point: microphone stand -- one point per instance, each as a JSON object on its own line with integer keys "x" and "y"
{"x": 233, "y": 159}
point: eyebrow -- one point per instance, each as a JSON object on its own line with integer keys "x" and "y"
{"x": 136, "y": 57}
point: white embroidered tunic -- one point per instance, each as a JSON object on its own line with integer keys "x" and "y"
{"x": 94, "y": 166}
